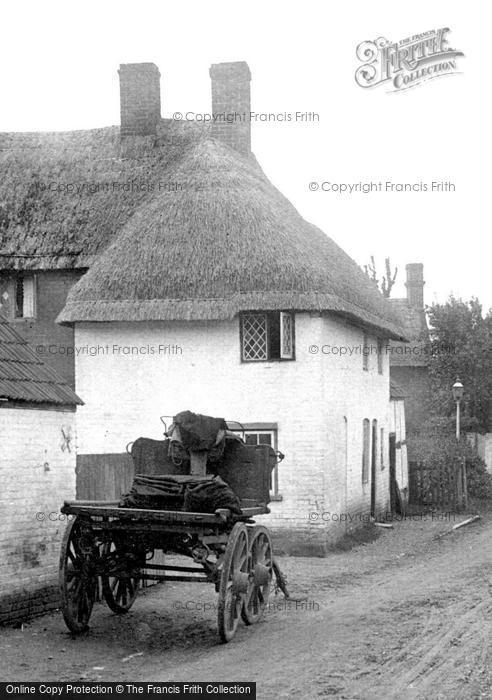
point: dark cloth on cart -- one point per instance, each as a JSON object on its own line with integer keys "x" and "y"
{"x": 198, "y": 432}
{"x": 199, "y": 494}
{"x": 207, "y": 496}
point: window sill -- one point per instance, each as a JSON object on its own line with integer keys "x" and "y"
{"x": 276, "y": 497}
{"x": 271, "y": 361}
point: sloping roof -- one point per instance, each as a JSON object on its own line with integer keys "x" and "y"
{"x": 224, "y": 241}
{"x": 396, "y": 392}
{"x": 24, "y": 377}
{"x": 414, "y": 353}
{"x": 64, "y": 195}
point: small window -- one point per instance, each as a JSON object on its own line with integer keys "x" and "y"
{"x": 267, "y": 336}
{"x": 286, "y": 336}
{"x": 380, "y": 356}
{"x": 18, "y": 295}
{"x": 260, "y": 436}
{"x": 24, "y": 296}
{"x": 365, "y": 353}
{"x": 366, "y": 445}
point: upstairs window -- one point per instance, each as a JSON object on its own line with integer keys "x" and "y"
{"x": 18, "y": 296}
{"x": 380, "y": 356}
{"x": 267, "y": 335}
{"x": 24, "y": 296}
{"x": 365, "y": 352}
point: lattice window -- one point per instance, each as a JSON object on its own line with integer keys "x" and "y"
{"x": 255, "y": 337}
{"x": 286, "y": 336}
{"x": 267, "y": 335}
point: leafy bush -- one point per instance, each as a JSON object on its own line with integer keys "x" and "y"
{"x": 436, "y": 448}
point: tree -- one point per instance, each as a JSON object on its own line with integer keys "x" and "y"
{"x": 387, "y": 281}
{"x": 461, "y": 346}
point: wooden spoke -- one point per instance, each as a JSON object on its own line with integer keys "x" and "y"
{"x": 233, "y": 582}
{"x": 77, "y": 579}
{"x": 260, "y": 568}
{"x": 119, "y": 588}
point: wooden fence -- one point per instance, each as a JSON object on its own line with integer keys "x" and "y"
{"x": 441, "y": 486}
{"x": 103, "y": 477}
{"x": 106, "y": 478}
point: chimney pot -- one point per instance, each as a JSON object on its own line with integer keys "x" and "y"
{"x": 231, "y": 97}
{"x": 415, "y": 285}
{"x": 140, "y": 98}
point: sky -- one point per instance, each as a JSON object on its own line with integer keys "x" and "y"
{"x": 58, "y": 71}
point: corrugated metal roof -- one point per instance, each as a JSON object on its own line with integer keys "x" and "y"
{"x": 24, "y": 377}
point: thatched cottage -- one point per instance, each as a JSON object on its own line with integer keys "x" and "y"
{"x": 37, "y": 471}
{"x": 206, "y": 290}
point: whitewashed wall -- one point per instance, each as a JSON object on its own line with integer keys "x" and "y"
{"x": 319, "y": 402}
{"x": 36, "y": 475}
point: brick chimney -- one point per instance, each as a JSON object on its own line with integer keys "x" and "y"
{"x": 231, "y": 96}
{"x": 140, "y": 98}
{"x": 415, "y": 285}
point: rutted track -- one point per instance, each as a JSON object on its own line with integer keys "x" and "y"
{"x": 409, "y": 615}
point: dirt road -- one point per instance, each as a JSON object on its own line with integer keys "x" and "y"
{"x": 408, "y": 616}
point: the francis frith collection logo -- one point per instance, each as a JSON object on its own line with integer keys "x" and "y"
{"x": 407, "y": 63}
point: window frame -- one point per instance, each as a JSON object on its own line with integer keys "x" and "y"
{"x": 262, "y": 429}
{"x": 365, "y": 356}
{"x": 380, "y": 356}
{"x": 12, "y": 283}
{"x": 366, "y": 450}
{"x": 381, "y": 449}
{"x": 283, "y": 355}
{"x": 268, "y": 316}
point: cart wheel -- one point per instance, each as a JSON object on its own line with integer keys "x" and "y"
{"x": 261, "y": 572}
{"x": 233, "y": 582}
{"x": 121, "y": 588}
{"x": 78, "y": 582}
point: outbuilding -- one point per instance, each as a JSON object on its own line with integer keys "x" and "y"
{"x": 37, "y": 472}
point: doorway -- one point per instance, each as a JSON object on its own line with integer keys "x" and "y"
{"x": 374, "y": 453}
{"x": 392, "y": 471}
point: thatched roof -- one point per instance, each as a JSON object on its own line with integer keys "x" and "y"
{"x": 58, "y": 205}
{"x": 189, "y": 230}
{"x": 225, "y": 241}
{"x": 24, "y": 377}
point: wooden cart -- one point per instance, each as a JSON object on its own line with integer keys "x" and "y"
{"x": 110, "y": 549}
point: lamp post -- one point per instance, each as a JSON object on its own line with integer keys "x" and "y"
{"x": 457, "y": 396}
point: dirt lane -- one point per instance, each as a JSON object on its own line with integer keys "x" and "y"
{"x": 409, "y": 615}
